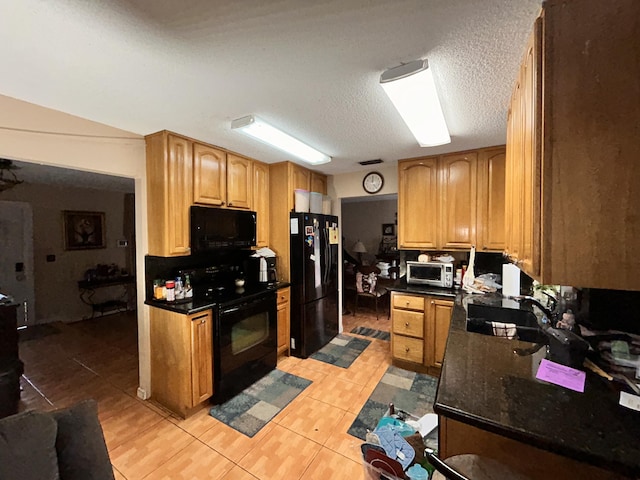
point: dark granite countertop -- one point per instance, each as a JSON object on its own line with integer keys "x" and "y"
{"x": 199, "y": 304}
{"x": 485, "y": 384}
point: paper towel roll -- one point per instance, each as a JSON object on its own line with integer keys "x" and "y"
{"x": 510, "y": 280}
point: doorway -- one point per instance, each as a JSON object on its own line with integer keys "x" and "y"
{"x": 16, "y": 262}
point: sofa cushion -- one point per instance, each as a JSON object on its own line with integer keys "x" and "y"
{"x": 28, "y": 447}
{"x": 82, "y": 452}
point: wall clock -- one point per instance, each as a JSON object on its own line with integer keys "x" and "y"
{"x": 373, "y": 182}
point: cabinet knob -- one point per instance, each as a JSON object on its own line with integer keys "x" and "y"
{"x": 230, "y": 204}
{"x": 222, "y": 202}
{"x": 407, "y": 304}
{"x": 406, "y": 324}
{"x": 406, "y": 349}
{"x": 202, "y": 322}
{"x": 433, "y": 302}
{"x": 484, "y": 247}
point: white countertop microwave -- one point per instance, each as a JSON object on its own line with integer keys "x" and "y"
{"x": 437, "y": 274}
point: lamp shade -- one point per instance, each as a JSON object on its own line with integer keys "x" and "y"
{"x": 358, "y": 247}
{"x": 412, "y": 90}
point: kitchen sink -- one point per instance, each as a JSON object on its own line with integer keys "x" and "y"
{"x": 480, "y": 318}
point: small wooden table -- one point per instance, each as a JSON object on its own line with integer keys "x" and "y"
{"x": 119, "y": 304}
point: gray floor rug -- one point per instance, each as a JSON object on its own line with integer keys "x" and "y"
{"x": 255, "y": 406}
{"x": 342, "y": 350}
{"x": 408, "y": 391}
{"x": 371, "y": 332}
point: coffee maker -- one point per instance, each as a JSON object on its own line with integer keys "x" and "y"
{"x": 272, "y": 273}
{"x": 263, "y": 270}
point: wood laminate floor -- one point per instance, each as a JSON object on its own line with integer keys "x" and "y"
{"x": 98, "y": 359}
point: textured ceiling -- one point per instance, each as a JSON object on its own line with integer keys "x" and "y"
{"x": 309, "y": 67}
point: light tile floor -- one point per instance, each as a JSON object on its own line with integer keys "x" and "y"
{"x": 307, "y": 440}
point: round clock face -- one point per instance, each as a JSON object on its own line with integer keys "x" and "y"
{"x": 372, "y": 182}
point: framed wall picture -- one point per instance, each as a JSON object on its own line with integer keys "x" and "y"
{"x": 83, "y": 230}
{"x": 388, "y": 229}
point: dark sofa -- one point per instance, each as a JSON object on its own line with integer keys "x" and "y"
{"x": 66, "y": 444}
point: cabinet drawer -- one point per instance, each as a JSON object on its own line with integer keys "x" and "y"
{"x": 407, "y": 348}
{"x": 409, "y": 302}
{"x": 283, "y": 295}
{"x": 408, "y": 323}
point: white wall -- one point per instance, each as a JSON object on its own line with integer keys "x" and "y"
{"x": 32, "y": 133}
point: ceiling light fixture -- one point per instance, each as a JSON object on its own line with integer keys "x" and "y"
{"x": 258, "y": 128}
{"x": 413, "y": 92}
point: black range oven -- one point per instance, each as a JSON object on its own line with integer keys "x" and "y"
{"x": 245, "y": 342}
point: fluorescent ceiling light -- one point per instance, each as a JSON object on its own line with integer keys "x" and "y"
{"x": 413, "y": 92}
{"x": 258, "y": 128}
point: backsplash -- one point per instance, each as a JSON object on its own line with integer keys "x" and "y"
{"x": 166, "y": 268}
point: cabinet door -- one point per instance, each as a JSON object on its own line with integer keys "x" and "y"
{"x": 261, "y": 202}
{"x": 491, "y": 200}
{"x": 300, "y": 178}
{"x": 238, "y": 181}
{"x": 438, "y": 322}
{"x": 529, "y": 260}
{"x": 201, "y": 357}
{"x": 513, "y": 207}
{"x": 318, "y": 183}
{"x": 458, "y": 200}
{"x": 283, "y": 320}
{"x": 179, "y": 192}
{"x": 417, "y": 203}
{"x": 209, "y": 175}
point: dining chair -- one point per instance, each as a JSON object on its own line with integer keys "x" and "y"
{"x": 367, "y": 286}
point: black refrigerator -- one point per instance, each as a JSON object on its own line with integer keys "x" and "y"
{"x": 314, "y": 282}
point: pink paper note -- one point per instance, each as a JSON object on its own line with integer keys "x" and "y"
{"x": 562, "y": 375}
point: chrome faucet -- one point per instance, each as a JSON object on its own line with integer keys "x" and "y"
{"x": 549, "y": 314}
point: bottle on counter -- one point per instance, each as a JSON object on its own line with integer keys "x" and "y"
{"x": 170, "y": 287}
{"x": 158, "y": 290}
{"x": 188, "y": 290}
{"x": 179, "y": 290}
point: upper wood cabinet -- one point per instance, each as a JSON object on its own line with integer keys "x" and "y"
{"x": 491, "y": 231}
{"x": 459, "y": 178}
{"x": 238, "y": 181}
{"x": 300, "y": 177}
{"x": 284, "y": 179}
{"x": 169, "y": 193}
{"x": 573, "y": 147}
{"x": 221, "y": 178}
{"x": 418, "y": 203}
{"x": 261, "y": 202}
{"x": 318, "y": 183}
{"x": 209, "y": 175}
{"x": 452, "y": 201}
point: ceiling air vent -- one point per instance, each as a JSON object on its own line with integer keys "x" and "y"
{"x": 371, "y": 162}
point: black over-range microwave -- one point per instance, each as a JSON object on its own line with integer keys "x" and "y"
{"x": 214, "y": 228}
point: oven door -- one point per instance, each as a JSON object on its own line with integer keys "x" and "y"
{"x": 245, "y": 346}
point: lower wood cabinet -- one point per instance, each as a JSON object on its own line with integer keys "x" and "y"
{"x": 419, "y": 330}
{"x": 457, "y": 438}
{"x": 283, "y": 320}
{"x": 181, "y": 359}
